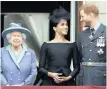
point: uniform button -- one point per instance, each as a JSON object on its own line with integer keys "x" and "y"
{"x": 89, "y": 59}
{"x": 19, "y": 72}
{"x": 11, "y": 72}
{"x": 10, "y": 78}
{"x": 18, "y": 79}
{"x": 90, "y": 50}
{"x": 82, "y": 46}
{"x": 91, "y": 42}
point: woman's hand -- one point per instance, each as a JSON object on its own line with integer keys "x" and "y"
{"x": 55, "y": 76}
{"x": 63, "y": 78}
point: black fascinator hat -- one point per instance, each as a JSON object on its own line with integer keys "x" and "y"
{"x": 59, "y": 14}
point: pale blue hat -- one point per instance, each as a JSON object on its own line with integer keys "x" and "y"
{"x": 16, "y": 27}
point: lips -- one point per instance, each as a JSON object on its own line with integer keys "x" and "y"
{"x": 16, "y": 41}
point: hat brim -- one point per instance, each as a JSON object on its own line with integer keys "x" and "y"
{"x": 18, "y": 29}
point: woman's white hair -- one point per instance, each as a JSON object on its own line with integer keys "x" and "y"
{"x": 9, "y": 35}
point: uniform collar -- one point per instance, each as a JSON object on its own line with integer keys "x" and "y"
{"x": 97, "y": 26}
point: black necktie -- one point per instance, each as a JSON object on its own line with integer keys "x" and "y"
{"x": 92, "y": 31}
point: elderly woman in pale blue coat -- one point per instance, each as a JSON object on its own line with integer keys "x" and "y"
{"x": 18, "y": 62}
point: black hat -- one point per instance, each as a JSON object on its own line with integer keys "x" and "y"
{"x": 59, "y": 14}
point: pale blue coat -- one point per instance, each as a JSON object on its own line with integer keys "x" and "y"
{"x": 14, "y": 72}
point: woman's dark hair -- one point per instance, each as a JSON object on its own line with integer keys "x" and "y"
{"x": 58, "y": 14}
{"x": 54, "y": 24}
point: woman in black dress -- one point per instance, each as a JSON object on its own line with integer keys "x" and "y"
{"x": 56, "y": 55}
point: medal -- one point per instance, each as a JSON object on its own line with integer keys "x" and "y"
{"x": 103, "y": 41}
{"x": 100, "y": 51}
{"x": 97, "y": 43}
{"x": 100, "y": 42}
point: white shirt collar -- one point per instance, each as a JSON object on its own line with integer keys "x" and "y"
{"x": 97, "y": 26}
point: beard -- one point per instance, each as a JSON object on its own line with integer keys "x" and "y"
{"x": 86, "y": 24}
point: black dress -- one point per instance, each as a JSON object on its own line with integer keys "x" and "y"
{"x": 55, "y": 57}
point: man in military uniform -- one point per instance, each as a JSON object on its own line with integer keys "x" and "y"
{"x": 92, "y": 47}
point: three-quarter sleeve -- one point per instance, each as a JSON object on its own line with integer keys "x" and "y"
{"x": 42, "y": 61}
{"x": 76, "y": 63}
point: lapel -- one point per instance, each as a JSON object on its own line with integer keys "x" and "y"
{"x": 98, "y": 33}
{"x": 87, "y": 34}
{"x": 12, "y": 56}
{"x": 21, "y": 55}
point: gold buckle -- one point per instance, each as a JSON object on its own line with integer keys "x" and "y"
{"x": 89, "y": 63}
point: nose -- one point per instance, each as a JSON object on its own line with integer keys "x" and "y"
{"x": 66, "y": 27}
{"x": 16, "y": 37}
